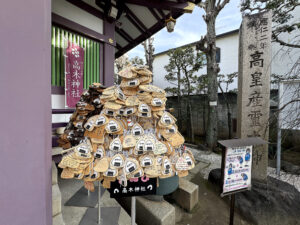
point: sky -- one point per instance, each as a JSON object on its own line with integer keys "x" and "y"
{"x": 190, "y": 27}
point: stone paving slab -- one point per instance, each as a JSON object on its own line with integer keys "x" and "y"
{"x": 84, "y": 199}
{"x": 109, "y": 216}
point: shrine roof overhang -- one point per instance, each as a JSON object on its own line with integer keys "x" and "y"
{"x": 136, "y": 20}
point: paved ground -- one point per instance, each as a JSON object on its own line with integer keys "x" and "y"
{"x": 211, "y": 209}
{"x": 73, "y": 215}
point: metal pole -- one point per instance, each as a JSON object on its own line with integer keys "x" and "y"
{"x": 278, "y": 159}
{"x": 99, "y": 202}
{"x": 232, "y": 209}
{"x": 88, "y": 192}
{"x": 133, "y": 209}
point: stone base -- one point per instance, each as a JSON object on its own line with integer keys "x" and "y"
{"x": 186, "y": 195}
{"x": 150, "y": 212}
{"x": 56, "y": 200}
{"x": 58, "y": 220}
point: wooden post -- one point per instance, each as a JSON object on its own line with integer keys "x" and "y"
{"x": 232, "y": 202}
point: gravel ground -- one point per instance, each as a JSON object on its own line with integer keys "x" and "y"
{"x": 213, "y": 161}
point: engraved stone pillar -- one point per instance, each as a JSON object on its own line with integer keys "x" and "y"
{"x": 254, "y": 86}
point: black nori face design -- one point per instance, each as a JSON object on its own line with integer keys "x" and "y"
{"x": 137, "y": 133}
{"x": 167, "y": 121}
{"x": 144, "y": 114}
{"x": 172, "y": 130}
{"x": 97, "y": 155}
{"x": 81, "y": 151}
{"x": 167, "y": 171}
{"x": 110, "y": 173}
{"x": 167, "y": 166}
{"x": 131, "y": 169}
{"x": 140, "y": 152}
{"x": 116, "y": 148}
{"x": 113, "y": 128}
{"x": 137, "y": 175}
{"x": 129, "y": 111}
{"x": 93, "y": 176}
{"x": 132, "y": 83}
{"x": 109, "y": 112}
{"x": 149, "y": 148}
{"x": 145, "y": 110}
{"x": 147, "y": 163}
{"x": 83, "y": 155}
{"x": 117, "y": 164}
{"x": 141, "y": 148}
{"x": 189, "y": 163}
{"x": 99, "y": 122}
{"x": 88, "y": 127}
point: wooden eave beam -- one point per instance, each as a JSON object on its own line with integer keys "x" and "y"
{"x": 167, "y": 5}
{"x": 88, "y": 8}
{"x": 124, "y": 34}
{"x": 133, "y": 16}
{"x": 161, "y": 13}
{"x": 154, "y": 14}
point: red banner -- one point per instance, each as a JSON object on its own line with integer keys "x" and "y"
{"x": 73, "y": 74}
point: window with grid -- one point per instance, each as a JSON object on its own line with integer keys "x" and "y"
{"x": 60, "y": 39}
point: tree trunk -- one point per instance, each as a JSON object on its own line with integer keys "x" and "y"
{"x": 179, "y": 100}
{"x": 228, "y": 113}
{"x": 190, "y": 127}
{"x": 212, "y": 73}
{"x": 229, "y": 124}
{"x": 204, "y": 115}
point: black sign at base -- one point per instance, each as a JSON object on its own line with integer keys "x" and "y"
{"x": 138, "y": 187}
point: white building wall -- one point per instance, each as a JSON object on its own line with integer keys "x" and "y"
{"x": 77, "y": 15}
{"x": 228, "y": 63}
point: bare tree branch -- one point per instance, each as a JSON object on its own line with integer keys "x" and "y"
{"x": 275, "y": 38}
{"x": 220, "y": 6}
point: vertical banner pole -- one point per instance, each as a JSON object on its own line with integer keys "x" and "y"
{"x": 232, "y": 209}
{"x": 133, "y": 210}
{"x": 99, "y": 198}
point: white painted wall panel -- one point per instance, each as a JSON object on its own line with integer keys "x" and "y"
{"x": 77, "y": 15}
{"x": 58, "y": 102}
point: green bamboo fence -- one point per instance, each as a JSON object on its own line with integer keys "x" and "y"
{"x": 59, "y": 43}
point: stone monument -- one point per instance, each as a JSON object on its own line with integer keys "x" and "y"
{"x": 254, "y": 86}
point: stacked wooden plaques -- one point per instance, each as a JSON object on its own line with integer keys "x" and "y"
{"x": 128, "y": 134}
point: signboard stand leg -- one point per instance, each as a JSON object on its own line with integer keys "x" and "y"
{"x": 99, "y": 203}
{"x": 133, "y": 210}
{"x": 232, "y": 201}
